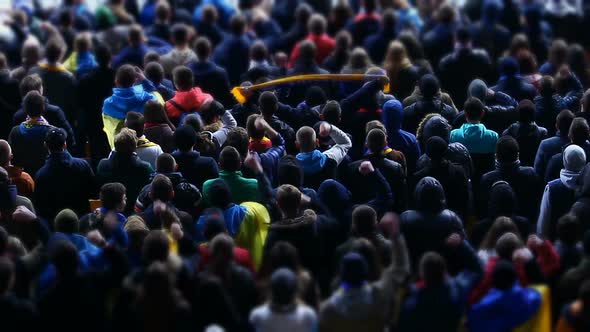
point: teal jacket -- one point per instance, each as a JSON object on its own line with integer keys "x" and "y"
{"x": 475, "y": 137}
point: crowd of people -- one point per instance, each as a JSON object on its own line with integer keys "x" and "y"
{"x": 444, "y": 187}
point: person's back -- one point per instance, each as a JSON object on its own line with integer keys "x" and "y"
{"x": 187, "y": 99}
{"x": 511, "y": 83}
{"x": 181, "y": 54}
{"x": 27, "y": 139}
{"x": 208, "y": 76}
{"x": 196, "y": 168}
{"x": 474, "y": 135}
{"x": 526, "y": 132}
{"x": 64, "y": 181}
{"x": 125, "y": 167}
{"x": 553, "y": 145}
{"x": 232, "y": 52}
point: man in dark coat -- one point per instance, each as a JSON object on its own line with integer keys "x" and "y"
{"x": 526, "y": 132}
{"x": 232, "y": 52}
{"x": 210, "y": 77}
{"x": 196, "y": 168}
{"x": 553, "y": 145}
{"x": 64, "y": 181}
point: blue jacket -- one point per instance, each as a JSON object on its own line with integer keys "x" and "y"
{"x": 547, "y": 149}
{"x": 401, "y": 140}
{"x": 233, "y": 217}
{"x": 125, "y": 100}
{"x": 130, "y": 55}
{"x": 233, "y": 55}
{"x": 504, "y": 310}
{"x": 270, "y": 158}
{"x": 476, "y": 138}
{"x": 376, "y": 44}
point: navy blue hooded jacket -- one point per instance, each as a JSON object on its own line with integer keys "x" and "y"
{"x": 401, "y": 140}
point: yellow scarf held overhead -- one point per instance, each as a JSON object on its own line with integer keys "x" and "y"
{"x": 238, "y": 92}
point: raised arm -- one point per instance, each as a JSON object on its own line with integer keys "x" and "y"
{"x": 343, "y": 142}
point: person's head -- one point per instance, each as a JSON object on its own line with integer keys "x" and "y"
{"x": 359, "y": 60}
{"x": 211, "y": 111}
{"x": 504, "y": 275}
{"x": 353, "y": 270}
{"x": 161, "y": 189}
{"x": 31, "y": 83}
{"x": 558, "y": 52}
{"x": 219, "y": 194}
{"x": 413, "y": 47}
{"x": 210, "y": 14}
{"x": 254, "y": 132}
{"x": 343, "y": 41}
{"x": 331, "y": 112}
{"x": 222, "y": 249}
{"x": 436, "y": 147}
{"x": 429, "y": 86}
{"x": 64, "y": 257}
{"x": 564, "y": 121}
{"x": 157, "y": 283}
{"x": 306, "y": 139}
{"x": 463, "y": 36}
{"x": 507, "y": 244}
{"x": 507, "y": 149}
{"x": 102, "y": 53}
{"x": 156, "y": 247}
{"x": 183, "y": 78}
{"x": 237, "y": 24}
{"x": 54, "y": 50}
{"x": 154, "y": 72}
{"x": 317, "y": 24}
{"x": 34, "y": 104}
{"x": 126, "y": 142}
{"x": 214, "y": 223}
{"x": 509, "y": 66}
{"x": 501, "y": 226}
{"x": 289, "y": 200}
{"x": 180, "y": 35}
{"x": 269, "y": 103}
{"x": 31, "y": 53}
{"x": 569, "y": 230}
{"x": 283, "y": 285}
{"x": 125, "y": 76}
{"x": 135, "y": 121}
{"x": 389, "y": 20}
{"x": 135, "y": 35}
{"x": 283, "y": 255}
{"x": 307, "y": 51}
{"x": 203, "y": 48}
{"x": 162, "y": 12}
{"x": 364, "y": 221}
{"x": 396, "y": 53}
{"x": 154, "y": 112}
{"x": 113, "y": 196}
{"x": 66, "y": 221}
{"x": 185, "y": 138}
{"x": 526, "y": 111}
{"x": 574, "y": 158}
{"x": 229, "y": 159}
{"x": 376, "y": 141}
{"x": 5, "y": 153}
{"x": 151, "y": 56}
{"x": 527, "y": 62}
{"x": 302, "y": 13}
{"x": 6, "y": 275}
{"x": 165, "y": 164}
{"x": 314, "y": 96}
{"x": 240, "y": 139}
{"x": 579, "y": 131}
{"x": 474, "y": 110}
{"x": 55, "y": 140}
{"x": 258, "y": 51}
{"x": 446, "y": 14}
{"x": 433, "y": 268}
{"x": 547, "y": 86}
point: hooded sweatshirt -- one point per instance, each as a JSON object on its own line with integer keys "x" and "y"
{"x": 559, "y": 194}
{"x": 476, "y": 138}
{"x": 401, "y": 140}
{"x": 129, "y": 99}
{"x": 186, "y": 102}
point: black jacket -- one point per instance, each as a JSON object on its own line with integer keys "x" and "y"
{"x": 458, "y": 69}
{"x": 212, "y": 79}
{"x": 63, "y": 182}
{"x": 414, "y": 113}
{"x": 196, "y": 168}
{"x": 528, "y": 136}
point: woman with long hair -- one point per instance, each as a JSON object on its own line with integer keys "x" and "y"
{"x": 402, "y": 74}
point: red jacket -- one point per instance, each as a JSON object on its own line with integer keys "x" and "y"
{"x": 186, "y": 102}
{"x": 324, "y": 44}
{"x": 241, "y": 257}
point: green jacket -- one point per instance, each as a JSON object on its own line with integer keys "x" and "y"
{"x": 242, "y": 189}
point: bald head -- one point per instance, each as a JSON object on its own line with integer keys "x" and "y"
{"x": 5, "y": 153}
{"x": 306, "y": 139}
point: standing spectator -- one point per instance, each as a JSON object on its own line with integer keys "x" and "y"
{"x": 232, "y": 52}
{"x": 212, "y": 78}
{"x": 526, "y": 132}
{"x": 402, "y": 74}
{"x": 146, "y": 150}
{"x": 22, "y": 180}
{"x": 181, "y": 55}
{"x": 323, "y": 43}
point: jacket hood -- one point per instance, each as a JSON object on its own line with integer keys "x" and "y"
{"x": 335, "y": 197}
{"x": 569, "y": 178}
{"x": 473, "y": 131}
{"x": 502, "y": 200}
{"x": 458, "y": 154}
{"x": 312, "y": 162}
{"x": 429, "y": 195}
{"x": 307, "y": 219}
{"x": 478, "y": 89}
{"x": 490, "y": 11}
{"x": 392, "y": 115}
{"x": 436, "y": 126}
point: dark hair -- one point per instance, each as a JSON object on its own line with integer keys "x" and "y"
{"x": 289, "y": 171}
{"x": 258, "y": 51}
{"x": 463, "y": 35}
{"x": 162, "y": 10}
{"x": 579, "y": 131}
{"x": 564, "y": 121}
{"x": 237, "y": 24}
{"x": 253, "y": 132}
{"x": 569, "y": 229}
{"x": 154, "y": 112}
{"x": 229, "y": 159}
{"x": 183, "y": 78}
{"x": 303, "y": 13}
{"x": 546, "y": 86}
{"x": 30, "y": 83}
{"x": 288, "y": 198}
{"x": 429, "y": 86}
{"x": 3, "y": 240}
{"x": 135, "y": 121}
{"x": 314, "y": 96}
{"x": 203, "y": 48}
{"x": 389, "y": 19}
{"x": 55, "y": 139}
{"x": 111, "y": 195}
{"x": 238, "y": 138}
{"x": 504, "y": 275}
{"x": 376, "y": 141}
{"x": 180, "y": 33}
{"x": 154, "y": 72}
{"x": 316, "y": 24}
{"x": 473, "y": 109}
{"x": 34, "y": 104}
{"x": 210, "y": 14}
{"x": 165, "y": 163}
{"x": 125, "y": 76}
{"x": 364, "y": 221}
{"x": 156, "y": 247}
{"x": 433, "y": 268}
{"x": 526, "y": 111}
{"x": 219, "y": 194}
{"x": 507, "y": 149}
{"x": 331, "y": 112}
{"x": 54, "y": 50}
{"x": 268, "y": 102}
{"x": 307, "y": 51}
{"x": 185, "y": 138}
{"x": 501, "y": 226}
{"x": 161, "y": 188}
{"x": 151, "y": 56}
{"x": 103, "y": 55}
{"x": 135, "y": 35}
